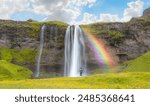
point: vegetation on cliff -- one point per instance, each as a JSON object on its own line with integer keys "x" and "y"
{"x": 112, "y": 36}
{"x": 117, "y": 30}
{"x": 143, "y": 21}
{"x": 20, "y": 57}
{"x": 10, "y": 59}
{"x": 11, "y": 71}
{"x": 22, "y": 39}
{"x": 29, "y": 28}
{"x": 35, "y": 26}
{"x": 135, "y": 74}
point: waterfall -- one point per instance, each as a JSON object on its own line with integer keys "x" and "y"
{"x": 75, "y": 57}
{"x": 40, "y": 51}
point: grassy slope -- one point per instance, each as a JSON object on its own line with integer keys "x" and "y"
{"x": 12, "y": 71}
{"x": 120, "y": 80}
{"x": 135, "y": 75}
{"x": 130, "y": 78}
{"x": 141, "y": 64}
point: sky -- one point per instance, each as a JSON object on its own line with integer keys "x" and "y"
{"x": 73, "y": 11}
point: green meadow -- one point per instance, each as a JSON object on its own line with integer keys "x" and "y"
{"x": 119, "y": 80}
{"x": 136, "y": 75}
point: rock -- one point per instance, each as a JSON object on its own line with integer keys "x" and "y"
{"x": 135, "y": 40}
{"x": 17, "y": 35}
{"x": 147, "y": 12}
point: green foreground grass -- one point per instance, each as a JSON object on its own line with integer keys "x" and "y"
{"x": 9, "y": 71}
{"x": 136, "y": 75}
{"x": 140, "y": 64}
{"x": 117, "y": 80}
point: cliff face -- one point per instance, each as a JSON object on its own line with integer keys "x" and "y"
{"x": 20, "y": 41}
{"x": 146, "y": 12}
{"x": 17, "y": 34}
{"x": 127, "y": 40}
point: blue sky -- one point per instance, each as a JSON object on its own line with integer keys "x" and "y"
{"x": 73, "y": 11}
{"x": 111, "y": 6}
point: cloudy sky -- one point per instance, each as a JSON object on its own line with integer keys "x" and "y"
{"x": 73, "y": 11}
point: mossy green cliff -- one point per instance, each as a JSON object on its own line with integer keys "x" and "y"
{"x": 20, "y": 40}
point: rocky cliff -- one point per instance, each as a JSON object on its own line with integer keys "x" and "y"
{"x": 127, "y": 40}
{"x": 146, "y": 12}
{"x": 20, "y": 40}
{"x": 20, "y": 34}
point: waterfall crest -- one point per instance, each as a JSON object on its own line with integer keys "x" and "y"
{"x": 75, "y": 57}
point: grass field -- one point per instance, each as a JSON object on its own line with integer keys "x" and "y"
{"x": 119, "y": 80}
{"x": 9, "y": 71}
{"x": 140, "y": 64}
{"x": 135, "y": 76}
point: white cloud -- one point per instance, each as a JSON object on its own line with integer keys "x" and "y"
{"x": 134, "y": 9}
{"x": 88, "y": 18}
{"x": 108, "y": 18}
{"x": 55, "y": 10}
{"x": 66, "y": 15}
{"x": 47, "y": 7}
{"x": 8, "y": 7}
{"x": 64, "y": 10}
{"x": 91, "y": 18}
{"x": 84, "y": 2}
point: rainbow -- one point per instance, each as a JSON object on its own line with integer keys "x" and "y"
{"x": 103, "y": 57}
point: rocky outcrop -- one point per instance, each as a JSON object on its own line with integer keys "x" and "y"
{"x": 147, "y": 12}
{"x": 134, "y": 37}
{"x": 124, "y": 40}
{"x": 18, "y": 35}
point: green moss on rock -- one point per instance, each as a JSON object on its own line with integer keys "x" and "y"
{"x": 12, "y": 71}
{"x": 24, "y": 56}
{"x": 109, "y": 33}
{"x": 20, "y": 57}
{"x": 29, "y": 28}
{"x": 6, "y": 54}
{"x": 35, "y": 26}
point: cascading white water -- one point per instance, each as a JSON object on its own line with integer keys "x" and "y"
{"x": 40, "y": 51}
{"x": 68, "y": 49}
{"x": 75, "y": 58}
